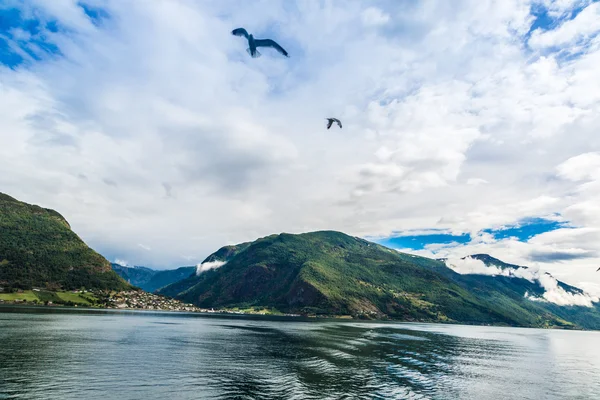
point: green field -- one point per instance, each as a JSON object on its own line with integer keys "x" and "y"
{"x": 27, "y": 295}
{"x": 79, "y": 298}
{"x": 42, "y": 296}
{"x": 257, "y": 310}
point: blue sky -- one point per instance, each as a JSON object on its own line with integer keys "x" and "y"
{"x": 469, "y": 126}
{"x": 23, "y": 37}
{"x": 545, "y": 18}
{"x": 526, "y": 229}
{"x": 522, "y": 231}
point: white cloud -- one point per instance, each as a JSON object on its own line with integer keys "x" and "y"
{"x": 586, "y": 24}
{"x": 583, "y": 166}
{"x": 468, "y": 265}
{"x": 122, "y": 263}
{"x": 157, "y": 122}
{"x": 206, "y": 266}
{"x": 476, "y": 181}
{"x": 373, "y": 16}
{"x": 570, "y": 254}
{"x": 553, "y": 293}
{"x": 559, "y": 8}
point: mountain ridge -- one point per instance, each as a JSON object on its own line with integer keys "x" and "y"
{"x": 328, "y": 272}
{"x": 490, "y": 261}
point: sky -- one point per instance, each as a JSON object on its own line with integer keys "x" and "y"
{"x": 469, "y": 126}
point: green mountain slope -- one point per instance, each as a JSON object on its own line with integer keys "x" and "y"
{"x": 332, "y": 273}
{"x": 149, "y": 279}
{"x": 39, "y": 249}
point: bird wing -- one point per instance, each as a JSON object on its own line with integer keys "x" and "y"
{"x": 330, "y": 121}
{"x": 598, "y": 270}
{"x": 240, "y": 32}
{"x": 270, "y": 43}
{"x": 339, "y": 122}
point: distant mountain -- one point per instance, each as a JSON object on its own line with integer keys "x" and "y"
{"x": 39, "y": 249}
{"x": 331, "y": 273}
{"x": 167, "y": 277}
{"x": 137, "y": 276}
{"x": 494, "y": 262}
{"x": 490, "y": 286}
{"x": 150, "y": 279}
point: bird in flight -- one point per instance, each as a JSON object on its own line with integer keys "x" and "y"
{"x": 598, "y": 270}
{"x": 331, "y": 121}
{"x": 254, "y": 43}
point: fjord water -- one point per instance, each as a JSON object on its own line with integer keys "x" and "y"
{"x": 60, "y": 354}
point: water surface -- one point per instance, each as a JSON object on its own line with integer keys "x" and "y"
{"x": 60, "y": 354}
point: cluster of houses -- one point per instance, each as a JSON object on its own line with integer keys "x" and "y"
{"x": 141, "y": 300}
{"x": 147, "y": 301}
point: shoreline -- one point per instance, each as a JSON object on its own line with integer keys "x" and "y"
{"x": 256, "y": 316}
{"x": 204, "y": 313}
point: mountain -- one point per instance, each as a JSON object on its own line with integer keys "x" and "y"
{"x": 137, "y": 276}
{"x": 39, "y": 249}
{"x": 513, "y": 269}
{"x": 494, "y": 262}
{"x": 150, "y": 279}
{"x": 492, "y": 286}
{"x": 167, "y": 277}
{"x": 331, "y": 273}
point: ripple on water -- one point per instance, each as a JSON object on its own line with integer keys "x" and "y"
{"x": 74, "y": 356}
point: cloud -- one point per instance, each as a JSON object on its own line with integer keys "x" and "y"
{"x": 203, "y": 267}
{"x": 211, "y": 147}
{"x": 584, "y": 166}
{"x": 586, "y": 24}
{"x": 568, "y": 253}
{"x": 474, "y": 266}
{"x": 556, "y": 294}
{"x": 168, "y": 189}
{"x": 110, "y": 182}
{"x": 122, "y": 263}
{"x": 553, "y": 256}
{"x": 476, "y": 181}
{"x": 373, "y": 16}
{"x": 553, "y": 293}
{"x": 559, "y": 8}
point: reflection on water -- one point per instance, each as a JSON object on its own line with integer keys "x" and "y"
{"x": 138, "y": 355}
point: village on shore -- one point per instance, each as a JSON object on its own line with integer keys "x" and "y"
{"x": 142, "y": 300}
{"x": 125, "y": 300}
{"x": 138, "y": 299}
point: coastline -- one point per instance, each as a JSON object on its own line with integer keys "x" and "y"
{"x": 229, "y": 313}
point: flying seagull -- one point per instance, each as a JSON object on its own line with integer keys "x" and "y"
{"x": 254, "y": 43}
{"x": 331, "y": 121}
{"x": 598, "y": 270}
